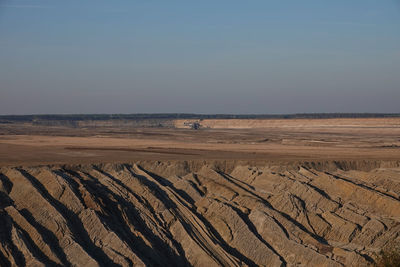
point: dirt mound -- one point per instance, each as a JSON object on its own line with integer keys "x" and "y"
{"x": 198, "y": 213}
{"x": 290, "y": 123}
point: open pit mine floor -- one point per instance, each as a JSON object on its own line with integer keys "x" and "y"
{"x": 290, "y": 193}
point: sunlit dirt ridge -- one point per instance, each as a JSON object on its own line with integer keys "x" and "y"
{"x": 199, "y": 213}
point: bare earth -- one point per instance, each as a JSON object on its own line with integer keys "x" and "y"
{"x": 236, "y": 193}
{"x": 299, "y": 140}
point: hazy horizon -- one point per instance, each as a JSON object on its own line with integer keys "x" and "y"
{"x": 345, "y": 114}
{"x": 208, "y": 57}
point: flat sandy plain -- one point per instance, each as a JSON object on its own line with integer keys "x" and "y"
{"x": 276, "y": 140}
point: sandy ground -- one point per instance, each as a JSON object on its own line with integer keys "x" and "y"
{"x": 287, "y": 140}
{"x": 228, "y": 195}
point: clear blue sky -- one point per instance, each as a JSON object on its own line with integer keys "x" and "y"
{"x": 220, "y": 56}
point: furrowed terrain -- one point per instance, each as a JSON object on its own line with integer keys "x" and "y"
{"x": 291, "y": 193}
{"x": 198, "y": 214}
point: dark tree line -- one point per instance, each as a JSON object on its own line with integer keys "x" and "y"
{"x": 171, "y": 116}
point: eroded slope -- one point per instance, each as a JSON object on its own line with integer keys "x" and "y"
{"x": 186, "y": 214}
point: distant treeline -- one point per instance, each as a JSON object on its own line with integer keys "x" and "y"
{"x": 172, "y": 116}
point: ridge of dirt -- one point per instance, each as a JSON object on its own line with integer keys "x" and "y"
{"x": 199, "y": 213}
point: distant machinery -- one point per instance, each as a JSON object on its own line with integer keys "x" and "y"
{"x": 195, "y": 125}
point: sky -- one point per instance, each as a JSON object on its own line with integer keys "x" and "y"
{"x": 219, "y": 56}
